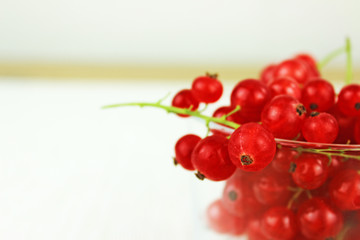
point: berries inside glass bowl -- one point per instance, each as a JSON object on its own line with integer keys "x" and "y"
{"x": 286, "y": 146}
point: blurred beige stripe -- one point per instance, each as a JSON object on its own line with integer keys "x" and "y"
{"x": 143, "y": 72}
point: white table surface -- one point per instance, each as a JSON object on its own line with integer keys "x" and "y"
{"x": 69, "y": 170}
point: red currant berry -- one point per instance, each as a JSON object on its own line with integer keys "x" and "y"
{"x": 318, "y": 220}
{"x": 238, "y": 197}
{"x": 346, "y": 125}
{"x": 292, "y": 68}
{"x": 357, "y": 131}
{"x": 251, "y": 147}
{"x": 279, "y": 223}
{"x": 311, "y": 64}
{"x": 254, "y": 230}
{"x": 285, "y": 86}
{"x": 318, "y": 95}
{"x": 271, "y": 188}
{"x": 210, "y": 157}
{"x": 345, "y": 190}
{"x": 183, "y": 150}
{"x": 251, "y": 95}
{"x": 207, "y": 89}
{"x": 185, "y": 99}
{"x": 235, "y": 117}
{"x": 283, "y": 158}
{"x": 267, "y": 74}
{"x": 335, "y": 166}
{"x": 283, "y": 116}
{"x": 311, "y": 170}
{"x": 349, "y": 100}
{"x": 320, "y": 128}
{"x": 222, "y": 221}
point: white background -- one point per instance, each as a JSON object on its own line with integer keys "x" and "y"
{"x": 174, "y": 31}
{"x": 69, "y": 170}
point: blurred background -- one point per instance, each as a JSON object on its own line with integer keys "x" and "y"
{"x": 69, "y": 170}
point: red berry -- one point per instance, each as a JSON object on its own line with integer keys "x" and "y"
{"x": 320, "y": 128}
{"x": 318, "y": 220}
{"x": 283, "y": 158}
{"x": 310, "y": 62}
{"x": 318, "y": 95}
{"x": 349, "y": 100}
{"x": 210, "y": 157}
{"x": 254, "y": 229}
{"x": 279, "y": 223}
{"x": 267, "y": 74}
{"x": 311, "y": 170}
{"x": 283, "y": 116}
{"x": 346, "y": 125}
{"x": 251, "y": 147}
{"x": 285, "y": 86}
{"x": 207, "y": 89}
{"x": 235, "y": 117}
{"x": 185, "y": 99}
{"x": 238, "y": 197}
{"x": 271, "y": 188}
{"x": 251, "y": 95}
{"x": 345, "y": 190}
{"x": 183, "y": 150}
{"x": 357, "y": 131}
{"x": 222, "y": 221}
{"x": 292, "y": 68}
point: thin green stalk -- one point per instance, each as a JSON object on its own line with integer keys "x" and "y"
{"x": 177, "y": 110}
{"x": 329, "y": 153}
{"x": 295, "y": 196}
{"x": 337, "y": 52}
{"x": 349, "y": 70}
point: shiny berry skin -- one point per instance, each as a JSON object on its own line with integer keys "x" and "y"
{"x": 320, "y": 128}
{"x": 283, "y": 158}
{"x": 308, "y": 60}
{"x": 185, "y": 99}
{"x": 285, "y": 86}
{"x": 279, "y": 223}
{"x": 271, "y": 188}
{"x": 183, "y": 150}
{"x": 311, "y": 170}
{"x": 235, "y": 117}
{"x": 346, "y": 125}
{"x": 251, "y": 147}
{"x": 254, "y": 229}
{"x": 220, "y": 220}
{"x": 238, "y": 197}
{"x": 292, "y": 68}
{"x": 345, "y": 190}
{"x": 267, "y": 74}
{"x": 251, "y": 95}
{"x": 349, "y": 100}
{"x": 318, "y": 220}
{"x": 210, "y": 157}
{"x": 283, "y": 116}
{"x": 207, "y": 89}
{"x": 357, "y": 131}
{"x": 318, "y": 95}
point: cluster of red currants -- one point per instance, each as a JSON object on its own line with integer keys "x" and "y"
{"x": 279, "y": 191}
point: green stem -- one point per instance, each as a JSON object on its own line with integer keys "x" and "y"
{"x": 178, "y": 111}
{"x": 321, "y": 64}
{"x": 349, "y": 71}
{"x": 329, "y": 152}
{"x": 294, "y": 197}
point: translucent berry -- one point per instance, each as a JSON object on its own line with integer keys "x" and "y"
{"x": 283, "y": 116}
{"x": 349, "y": 100}
{"x": 292, "y": 68}
{"x": 183, "y": 150}
{"x": 251, "y": 147}
{"x": 285, "y": 86}
{"x": 185, "y": 99}
{"x": 267, "y": 74}
{"x": 210, "y": 157}
{"x": 207, "y": 89}
{"x": 318, "y": 95}
{"x": 320, "y": 128}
